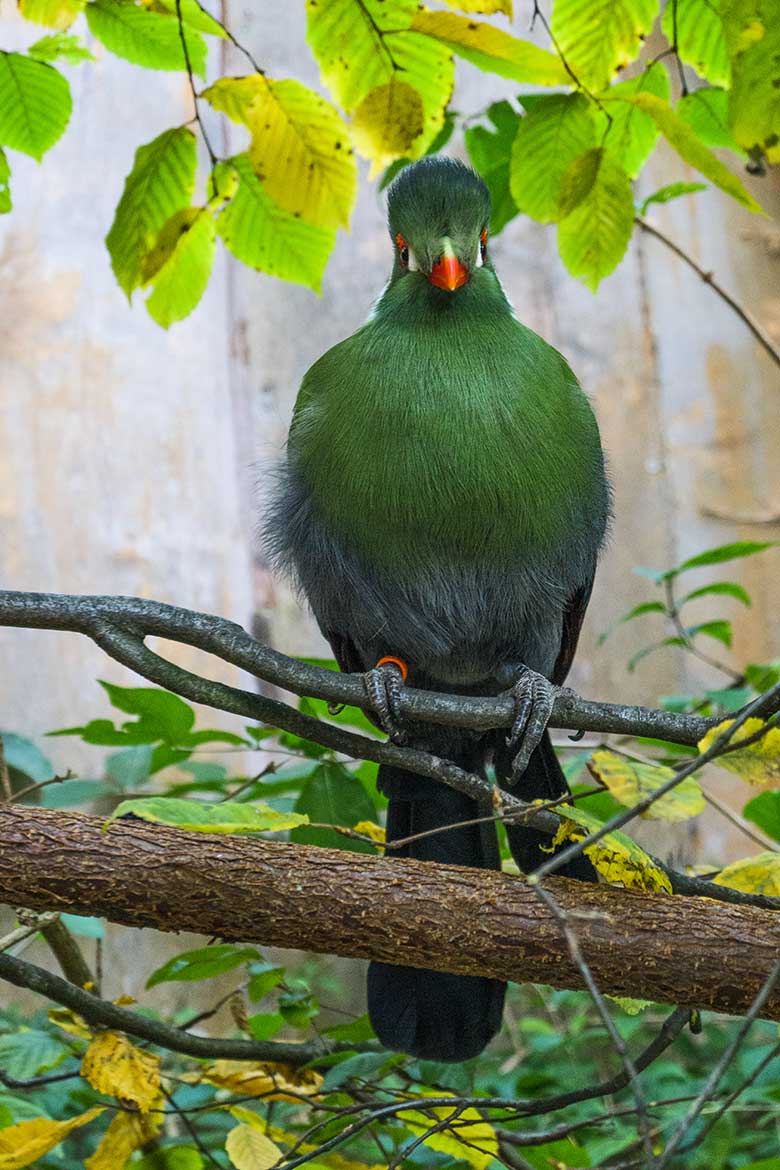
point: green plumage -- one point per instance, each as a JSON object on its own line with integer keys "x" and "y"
{"x": 444, "y": 428}
{"x": 443, "y": 501}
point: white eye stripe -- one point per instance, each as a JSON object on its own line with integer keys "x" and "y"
{"x": 479, "y": 261}
{"x": 413, "y": 266}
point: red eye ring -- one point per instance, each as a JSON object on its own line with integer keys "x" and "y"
{"x": 483, "y": 244}
{"x": 403, "y": 250}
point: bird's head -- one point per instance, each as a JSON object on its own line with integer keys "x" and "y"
{"x": 438, "y": 214}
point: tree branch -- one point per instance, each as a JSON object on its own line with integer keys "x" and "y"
{"x": 100, "y": 616}
{"x": 449, "y": 918}
{"x": 757, "y": 330}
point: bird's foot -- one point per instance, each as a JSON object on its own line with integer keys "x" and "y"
{"x": 384, "y": 684}
{"x": 534, "y": 697}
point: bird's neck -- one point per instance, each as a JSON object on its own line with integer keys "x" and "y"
{"x": 412, "y": 301}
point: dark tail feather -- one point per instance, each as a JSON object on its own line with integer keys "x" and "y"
{"x": 431, "y": 1014}
{"x": 543, "y": 779}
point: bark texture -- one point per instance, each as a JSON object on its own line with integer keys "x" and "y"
{"x": 692, "y": 952}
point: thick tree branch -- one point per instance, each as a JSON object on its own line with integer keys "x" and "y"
{"x": 120, "y": 624}
{"x": 443, "y": 917}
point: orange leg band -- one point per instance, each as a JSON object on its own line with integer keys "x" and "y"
{"x": 399, "y": 662}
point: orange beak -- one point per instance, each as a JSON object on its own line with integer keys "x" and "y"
{"x": 448, "y": 273}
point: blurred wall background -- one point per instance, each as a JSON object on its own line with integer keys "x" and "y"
{"x": 132, "y": 460}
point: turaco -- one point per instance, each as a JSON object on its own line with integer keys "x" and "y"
{"x": 442, "y": 505}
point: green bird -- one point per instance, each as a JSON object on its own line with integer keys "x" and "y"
{"x": 441, "y": 506}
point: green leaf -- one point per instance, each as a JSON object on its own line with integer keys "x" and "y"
{"x": 197, "y": 817}
{"x": 161, "y": 714}
{"x": 25, "y": 757}
{"x": 342, "y": 35}
{"x": 691, "y": 149}
{"x": 699, "y": 40}
{"x": 638, "y": 611}
{"x": 578, "y": 181}
{"x": 180, "y": 282}
{"x": 489, "y": 152}
{"x": 35, "y": 104}
{"x": 592, "y": 240}
{"x": 672, "y": 191}
{"x": 264, "y": 1025}
{"x": 753, "y": 34}
{"x": 355, "y": 1032}
{"x": 491, "y": 49}
{"x": 131, "y": 767}
{"x": 333, "y": 797}
{"x": 204, "y": 963}
{"x": 727, "y": 552}
{"x": 428, "y": 67}
{"x": 719, "y": 630}
{"x": 6, "y": 204}
{"x": 631, "y": 135}
{"x": 195, "y": 16}
{"x": 262, "y": 979}
{"x": 763, "y": 676}
{"x": 706, "y": 111}
{"x": 558, "y": 131}
{"x": 160, "y": 184}
{"x": 171, "y": 1158}
{"x": 300, "y": 145}
{"x": 61, "y": 47}
{"x": 598, "y": 37}
{"x": 438, "y": 143}
{"x": 52, "y": 13}
{"x": 728, "y": 588}
{"x": 387, "y": 122}
{"x": 144, "y": 37}
{"x": 26, "y": 1053}
{"x": 764, "y": 810}
{"x": 297, "y": 1008}
{"x": 634, "y": 661}
{"x": 258, "y": 232}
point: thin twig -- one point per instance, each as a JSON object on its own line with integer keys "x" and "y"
{"x": 729, "y": 1101}
{"x": 22, "y": 932}
{"x": 213, "y": 158}
{"x": 619, "y": 1044}
{"x": 109, "y": 1015}
{"x": 757, "y": 330}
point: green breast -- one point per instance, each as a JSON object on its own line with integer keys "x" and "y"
{"x": 446, "y": 430}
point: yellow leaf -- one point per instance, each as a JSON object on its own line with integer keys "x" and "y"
{"x": 369, "y": 829}
{"x": 754, "y": 875}
{"x": 23, "y": 1144}
{"x": 630, "y": 781}
{"x": 387, "y": 122}
{"x": 333, "y": 1161}
{"x": 682, "y": 138}
{"x": 759, "y": 762}
{"x": 300, "y": 147}
{"x": 69, "y": 1022}
{"x": 472, "y": 1139}
{"x": 249, "y": 1149}
{"x": 346, "y": 38}
{"x": 483, "y": 7}
{"x": 114, "y": 1066}
{"x": 274, "y": 1082}
{"x": 52, "y": 13}
{"x": 127, "y": 1133}
{"x": 492, "y": 49}
{"x": 616, "y": 857}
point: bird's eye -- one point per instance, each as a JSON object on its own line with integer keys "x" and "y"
{"x": 483, "y": 245}
{"x": 403, "y": 250}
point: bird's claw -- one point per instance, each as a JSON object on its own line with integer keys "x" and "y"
{"x": 384, "y": 684}
{"x": 534, "y": 697}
